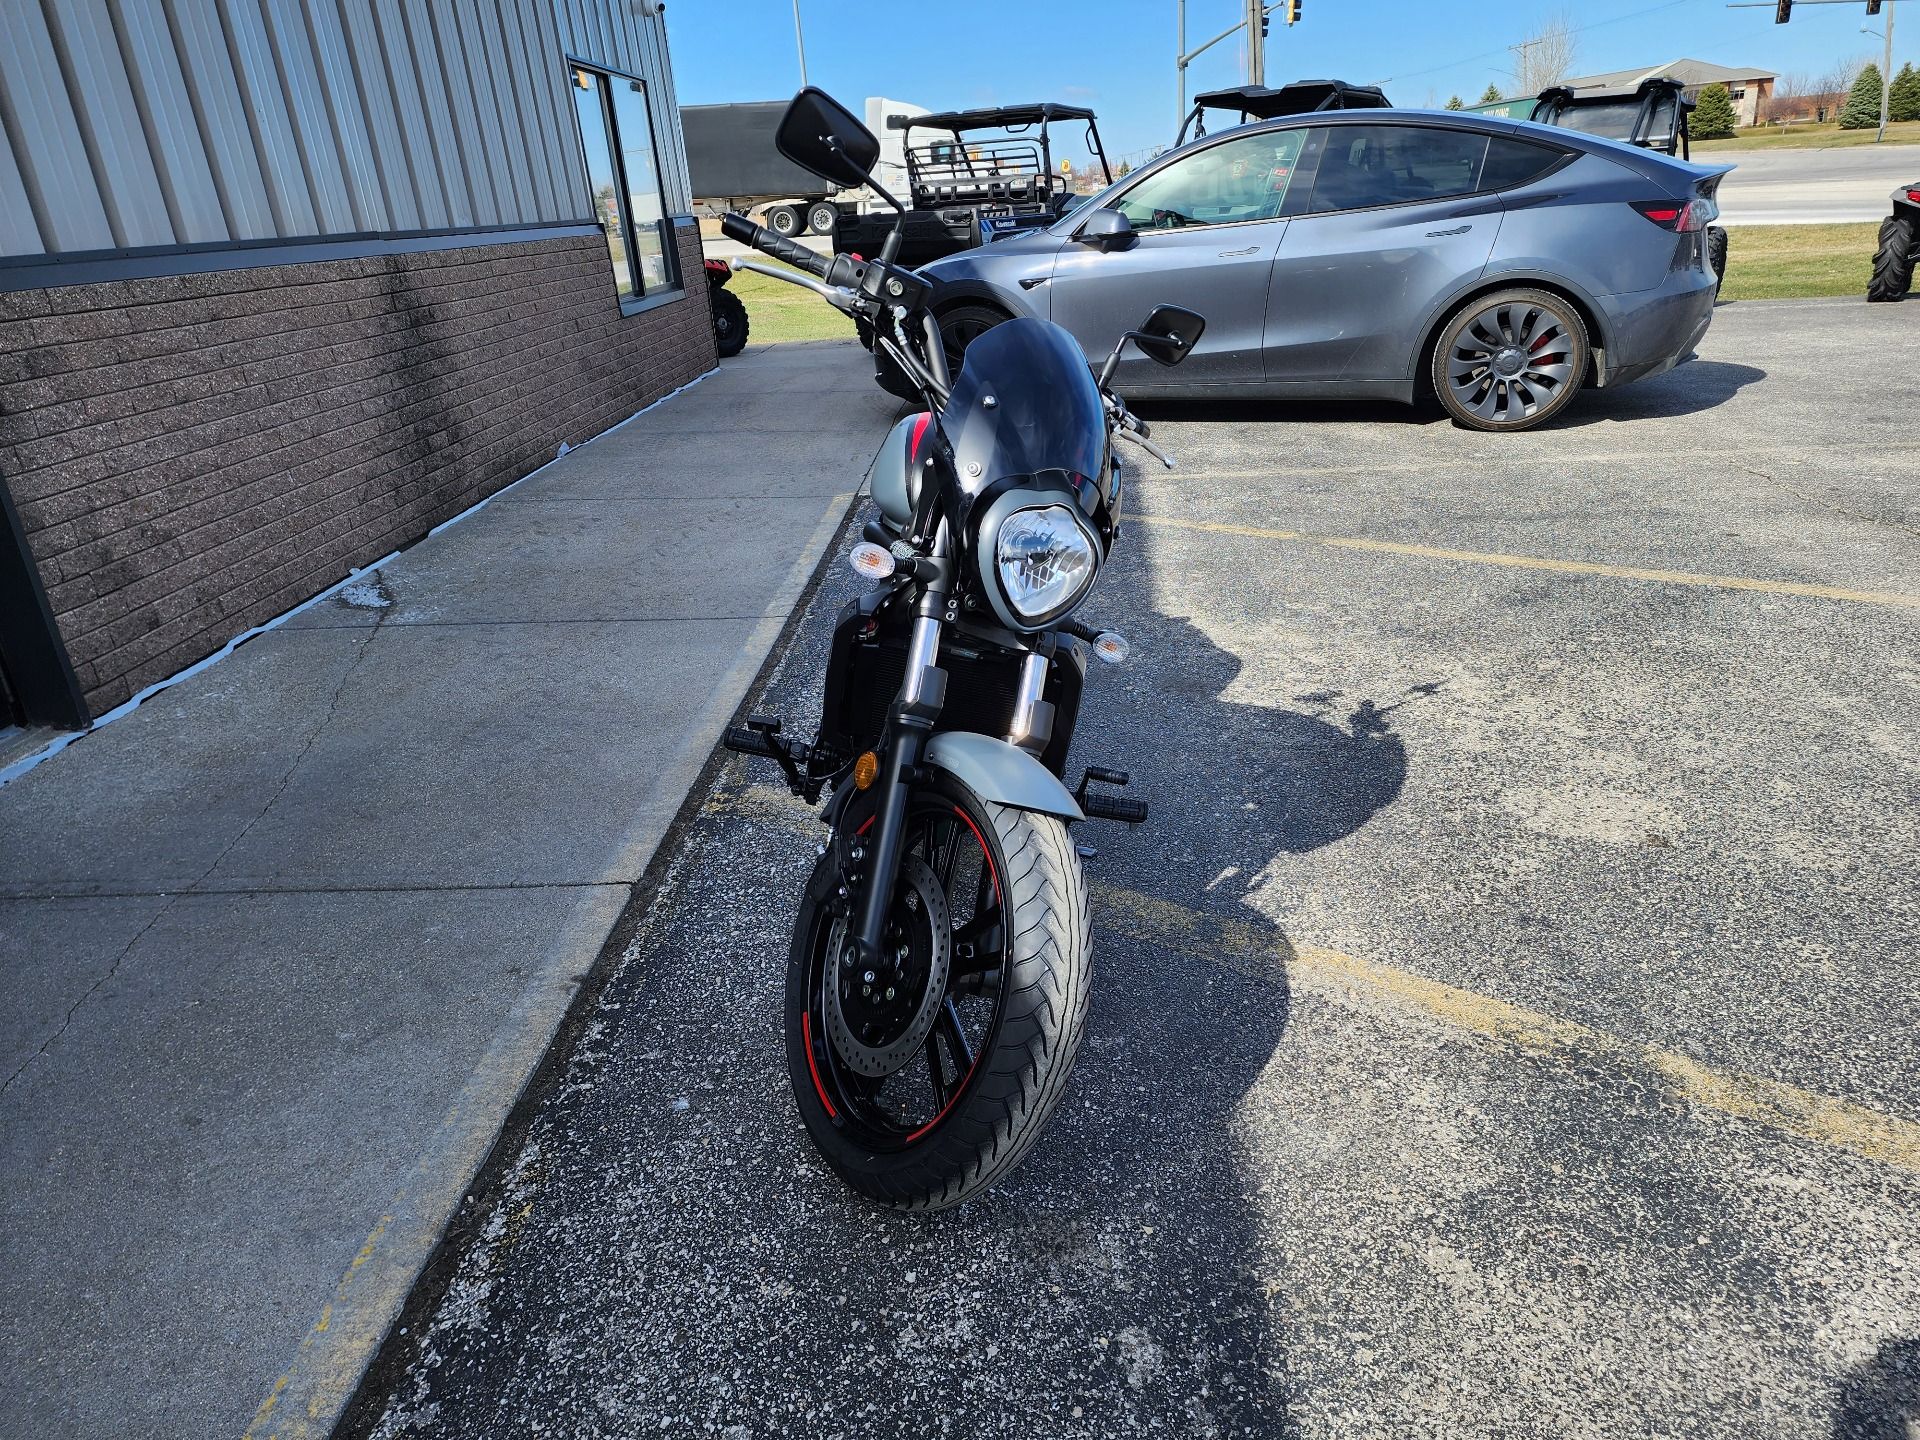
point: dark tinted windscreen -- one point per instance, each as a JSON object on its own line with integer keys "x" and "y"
{"x": 1045, "y": 411}
{"x": 1609, "y": 122}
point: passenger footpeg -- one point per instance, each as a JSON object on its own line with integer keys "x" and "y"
{"x": 761, "y": 736}
{"x": 1108, "y": 807}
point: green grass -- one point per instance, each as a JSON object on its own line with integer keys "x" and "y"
{"x": 777, "y": 311}
{"x": 1808, "y": 137}
{"x": 1794, "y": 262}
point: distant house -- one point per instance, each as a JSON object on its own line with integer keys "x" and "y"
{"x": 1750, "y": 89}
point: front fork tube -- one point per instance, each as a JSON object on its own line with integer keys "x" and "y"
{"x": 921, "y": 696}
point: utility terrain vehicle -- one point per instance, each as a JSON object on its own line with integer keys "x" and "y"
{"x": 1262, "y": 102}
{"x": 1652, "y": 114}
{"x": 1899, "y": 247}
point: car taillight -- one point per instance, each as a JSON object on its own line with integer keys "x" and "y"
{"x": 1683, "y": 216}
{"x": 1914, "y": 196}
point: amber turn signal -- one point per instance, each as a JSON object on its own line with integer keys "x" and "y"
{"x": 865, "y": 770}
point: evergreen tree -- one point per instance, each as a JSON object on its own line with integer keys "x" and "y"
{"x": 1492, "y": 96}
{"x": 1454, "y": 102}
{"x": 1903, "y": 101}
{"x": 1862, "y": 110}
{"x": 1713, "y": 117}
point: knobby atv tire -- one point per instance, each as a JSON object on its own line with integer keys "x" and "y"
{"x": 1029, "y": 1051}
{"x": 1893, "y": 261}
{"x": 729, "y": 322}
{"x": 1717, "y": 252}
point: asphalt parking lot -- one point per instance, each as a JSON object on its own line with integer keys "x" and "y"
{"x": 1504, "y": 1027}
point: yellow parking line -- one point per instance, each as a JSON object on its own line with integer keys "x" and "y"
{"x": 1352, "y": 982}
{"x": 1261, "y": 952}
{"x": 1534, "y": 562}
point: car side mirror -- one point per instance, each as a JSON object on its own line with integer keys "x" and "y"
{"x": 1105, "y": 230}
{"x": 820, "y": 134}
{"x": 1168, "y": 335}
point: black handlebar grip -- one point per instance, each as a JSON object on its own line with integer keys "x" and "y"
{"x": 738, "y": 227}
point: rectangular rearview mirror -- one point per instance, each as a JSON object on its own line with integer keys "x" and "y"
{"x": 820, "y": 134}
{"x": 1168, "y": 335}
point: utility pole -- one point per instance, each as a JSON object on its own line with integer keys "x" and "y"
{"x": 1256, "y": 64}
{"x": 800, "y": 44}
{"x": 1886, "y": 68}
{"x": 1256, "y": 23}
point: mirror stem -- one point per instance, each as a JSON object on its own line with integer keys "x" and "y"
{"x": 1113, "y": 360}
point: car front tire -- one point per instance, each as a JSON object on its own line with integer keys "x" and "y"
{"x": 1510, "y": 360}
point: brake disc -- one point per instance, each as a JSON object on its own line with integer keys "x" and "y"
{"x": 875, "y": 1032}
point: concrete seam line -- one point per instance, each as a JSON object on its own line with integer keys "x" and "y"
{"x": 310, "y": 1395}
{"x": 711, "y": 723}
{"x": 54, "y": 747}
{"x": 1532, "y": 562}
{"x": 306, "y": 1399}
{"x": 1261, "y": 953}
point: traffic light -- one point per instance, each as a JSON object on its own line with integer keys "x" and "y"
{"x": 1266, "y": 24}
{"x": 1782, "y": 11}
{"x": 1293, "y": 11}
{"x": 1873, "y": 7}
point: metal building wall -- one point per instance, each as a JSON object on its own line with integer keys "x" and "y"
{"x": 131, "y": 124}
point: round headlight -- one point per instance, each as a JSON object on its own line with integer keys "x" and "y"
{"x": 1045, "y": 560}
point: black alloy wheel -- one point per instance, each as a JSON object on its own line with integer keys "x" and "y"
{"x": 1510, "y": 360}
{"x": 925, "y": 1076}
{"x": 961, "y": 326}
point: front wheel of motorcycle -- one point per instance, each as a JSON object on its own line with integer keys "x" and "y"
{"x": 927, "y": 1077}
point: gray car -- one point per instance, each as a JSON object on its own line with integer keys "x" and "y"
{"x": 1496, "y": 264}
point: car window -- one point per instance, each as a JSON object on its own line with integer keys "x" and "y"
{"x": 1515, "y": 162}
{"x": 1389, "y": 164}
{"x": 1243, "y": 179}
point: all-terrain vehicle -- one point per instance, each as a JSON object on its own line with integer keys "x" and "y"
{"x": 729, "y": 311}
{"x": 974, "y": 176}
{"x": 1899, "y": 249}
{"x": 1261, "y": 102}
{"x": 1652, "y": 114}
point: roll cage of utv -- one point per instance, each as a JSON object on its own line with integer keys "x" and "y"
{"x": 1262, "y": 102}
{"x": 977, "y": 175}
{"x": 1652, "y": 114}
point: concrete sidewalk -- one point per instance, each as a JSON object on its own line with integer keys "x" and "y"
{"x": 284, "y": 944}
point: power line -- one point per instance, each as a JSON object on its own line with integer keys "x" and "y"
{"x": 1502, "y": 50}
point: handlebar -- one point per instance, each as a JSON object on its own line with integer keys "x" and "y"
{"x": 740, "y": 228}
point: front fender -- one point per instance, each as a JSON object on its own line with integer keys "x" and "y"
{"x": 1000, "y": 771}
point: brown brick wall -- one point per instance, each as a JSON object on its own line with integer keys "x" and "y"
{"x": 192, "y": 455}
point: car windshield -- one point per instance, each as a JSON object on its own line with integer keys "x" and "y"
{"x": 1025, "y": 402}
{"x": 1613, "y": 121}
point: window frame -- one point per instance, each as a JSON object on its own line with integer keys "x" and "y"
{"x": 1288, "y": 207}
{"x": 1316, "y": 147}
{"x": 640, "y": 297}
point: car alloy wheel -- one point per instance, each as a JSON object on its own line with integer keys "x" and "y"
{"x": 1510, "y": 360}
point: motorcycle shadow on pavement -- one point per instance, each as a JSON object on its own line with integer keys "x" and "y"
{"x": 1880, "y": 1400}
{"x": 1191, "y": 1003}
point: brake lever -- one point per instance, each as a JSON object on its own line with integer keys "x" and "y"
{"x": 838, "y": 296}
{"x": 1145, "y": 444}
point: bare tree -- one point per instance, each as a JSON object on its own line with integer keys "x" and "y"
{"x": 1838, "y": 78}
{"x": 1545, "y": 57}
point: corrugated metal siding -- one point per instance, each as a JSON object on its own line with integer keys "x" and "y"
{"x": 140, "y": 123}
{"x": 614, "y": 34}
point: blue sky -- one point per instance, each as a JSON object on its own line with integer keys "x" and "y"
{"x": 1117, "y": 55}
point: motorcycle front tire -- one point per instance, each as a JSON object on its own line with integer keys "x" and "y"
{"x": 1022, "y": 1068}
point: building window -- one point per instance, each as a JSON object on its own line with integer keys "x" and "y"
{"x": 623, "y": 175}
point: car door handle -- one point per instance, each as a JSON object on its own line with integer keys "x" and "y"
{"x": 1456, "y": 230}
{"x": 1226, "y": 254}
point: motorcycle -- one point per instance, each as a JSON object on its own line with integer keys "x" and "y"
{"x": 939, "y": 975}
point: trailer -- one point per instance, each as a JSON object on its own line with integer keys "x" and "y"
{"x": 734, "y": 165}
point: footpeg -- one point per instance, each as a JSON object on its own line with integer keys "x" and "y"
{"x": 761, "y": 736}
{"x": 1114, "y": 807}
{"x": 1108, "y": 807}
